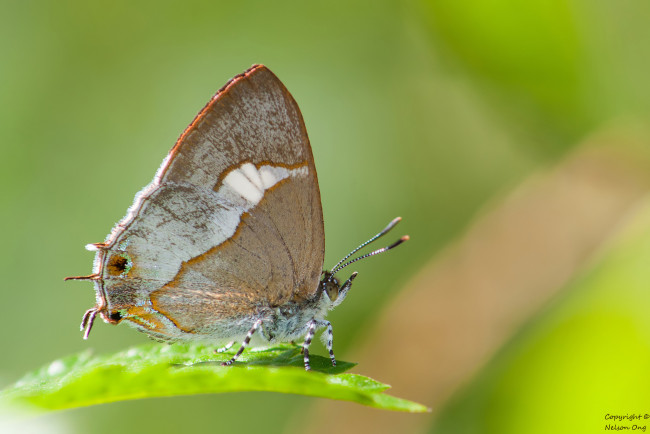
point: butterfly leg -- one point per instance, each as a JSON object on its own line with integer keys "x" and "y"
{"x": 313, "y": 325}
{"x": 330, "y": 337}
{"x": 305, "y": 346}
{"x": 225, "y": 347}
{"x": 244, "y": 343}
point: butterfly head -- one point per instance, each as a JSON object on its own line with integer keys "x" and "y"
{"x": 330, "y": 286}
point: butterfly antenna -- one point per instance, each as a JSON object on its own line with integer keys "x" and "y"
{"x": 376, "y": 252}
{"x": 338, "y": 267}
{"x": 384, "y": 231}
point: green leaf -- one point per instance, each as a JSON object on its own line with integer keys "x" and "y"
{"x": 155, "y": 370}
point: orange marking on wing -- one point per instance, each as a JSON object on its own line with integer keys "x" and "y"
{"x": 144, "y": 317}
{"x": 153, "y": 297}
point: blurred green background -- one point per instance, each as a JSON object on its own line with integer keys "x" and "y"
{"x": 510, "y": 136}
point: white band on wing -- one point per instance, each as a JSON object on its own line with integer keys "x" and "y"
{"x": 250, "y": 183}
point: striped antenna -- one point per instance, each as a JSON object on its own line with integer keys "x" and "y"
{"x": 338, "y": 267}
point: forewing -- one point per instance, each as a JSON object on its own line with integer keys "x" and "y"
{"x": 231, "y": 221}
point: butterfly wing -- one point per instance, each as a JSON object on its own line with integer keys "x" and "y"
{"x": 231, "y": 224}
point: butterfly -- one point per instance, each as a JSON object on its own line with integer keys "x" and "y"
{"x": 228, "y": 238}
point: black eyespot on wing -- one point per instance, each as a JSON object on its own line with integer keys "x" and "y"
{"x": 117, "y": 265}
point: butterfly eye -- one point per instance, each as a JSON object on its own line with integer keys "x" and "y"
{"x": 115, "y": 316}
{"x": 332, "y": 289}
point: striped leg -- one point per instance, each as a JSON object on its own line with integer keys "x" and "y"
{"x": 244, "y": 343}
{"x": 307, "y": 343}
{"x": 225, "y": 347}
{"x": 330, "y": 337}
{"x": 313, "y": 326}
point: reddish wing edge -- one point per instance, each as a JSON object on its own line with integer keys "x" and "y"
{"x": 250, "y": 71}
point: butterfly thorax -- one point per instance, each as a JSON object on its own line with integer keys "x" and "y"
{"x": 289, "y": 321}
